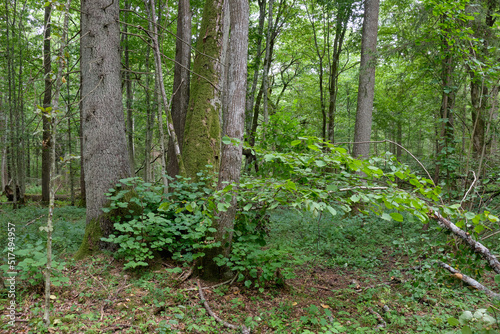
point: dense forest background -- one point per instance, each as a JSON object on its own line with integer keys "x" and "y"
{"x": 227, "y": 137}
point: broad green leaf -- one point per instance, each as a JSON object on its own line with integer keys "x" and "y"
{"x": 320, "y": 163}
{"x": 453, "y": 321}
{"x": 397, "y": 216}
{"x": 332, "y": 210}
{"x": 296, "y": 142}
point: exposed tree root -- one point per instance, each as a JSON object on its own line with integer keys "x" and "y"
{"x": 472, "y": 282}
{"x": 243, "y": 328}
{"x": 475, "y": 245}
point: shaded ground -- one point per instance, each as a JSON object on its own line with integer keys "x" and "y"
{"x": 352, "y": 284}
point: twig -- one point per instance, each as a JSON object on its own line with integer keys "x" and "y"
{"x": 472, "y": 282}
{"x": 470, "y": 188}
{"x": 243, "y": 328}
{"x": 231, "y": 281}
{"x": 490, "y": 235}
{"x": 32, "y": 221}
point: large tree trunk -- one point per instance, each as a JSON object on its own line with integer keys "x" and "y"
{"x": 47, "y": 96}
{"x": 234, "y": 127}
{"x": 202, "y": 132}
{"x": 105, "y": 155}
{"x": 180, "y": 97}
{"x": 366, "y": 90}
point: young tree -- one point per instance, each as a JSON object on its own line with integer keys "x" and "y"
{"x": 105, "y": 155}
{"x": 47, "y": 96}
{"x": 366, "y": 90}
{"x": 180, "y": 98}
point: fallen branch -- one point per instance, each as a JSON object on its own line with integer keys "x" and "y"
{"x": 382, "y": 323}
{"x": 472, "y": 282}
{"x": 476, "y": 246}
{"x": 243, "y": 328}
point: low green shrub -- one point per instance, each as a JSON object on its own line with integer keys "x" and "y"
{"x": 149, "y": 222}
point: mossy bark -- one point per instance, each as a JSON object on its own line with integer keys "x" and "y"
{"x": 202, "y": 132}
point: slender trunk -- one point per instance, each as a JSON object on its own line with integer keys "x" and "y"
{"x": 267, "y": 65}
{"x": 256, "y": 68}
{"x": 180, "y": 95}
{"x": 148, "y": 143}
{"x": 156, "y": 51}
{"x": 47, "y": 96}
{"x": 129, "y": 95}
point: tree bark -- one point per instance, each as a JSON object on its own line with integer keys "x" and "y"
{"x": 256, "y": 67}
{"x": 47, "y": 96}
{"x": 180, "y": 97}
{"x": 366, "y": 90}
{"x": 234, "y": 127}
{"x": 105, "y": 156}
{"x": 202, "y": 130}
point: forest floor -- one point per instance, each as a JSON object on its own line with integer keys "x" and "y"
{"x": 355, "y": 275}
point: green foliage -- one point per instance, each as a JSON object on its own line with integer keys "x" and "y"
{"x": 478, "y": 322}
{"x": 32, "y": 264}
{"x": 151, "y": 222}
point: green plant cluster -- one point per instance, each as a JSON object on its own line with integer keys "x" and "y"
{"x": 149, "y": 222}
{"x": 32, "y": 264}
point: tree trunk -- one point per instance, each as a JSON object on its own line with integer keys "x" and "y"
{"x": 105, "y": 156}
{"x": 202, "y": 130}
{"x": 234, "y": 127}
{"x": 366, "y": 90}
{"x": 47, "y": 96}
{"x": 129, "y": 95}
{"x": 148, "y": 143}
{"x": 256, "y": 67}
{"x": 267, "y": 66}
{"x": 180, "y": 97}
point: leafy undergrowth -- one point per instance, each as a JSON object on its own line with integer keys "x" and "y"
{"x": 350, "y": 275}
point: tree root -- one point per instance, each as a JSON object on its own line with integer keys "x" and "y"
{"x": 470, "y": 281}
{"x": 475, "y": 245}
{"x": 243, "y": 328}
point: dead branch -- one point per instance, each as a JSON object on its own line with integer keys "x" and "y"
{"x": 476, "y": 246}
{"x": 382, "y": 323}
{"x": 470, "y": 281}
{"x": 243, "y": 328}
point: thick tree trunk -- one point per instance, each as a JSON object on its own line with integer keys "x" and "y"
{"x": 234, "y": 127}
{"x": 366, "y": 90}
{"x": 47, "y": 96}
{"x": 180, "y": 97}
{"x": 105, "y": 155}
{"x": 202, "y": 130}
